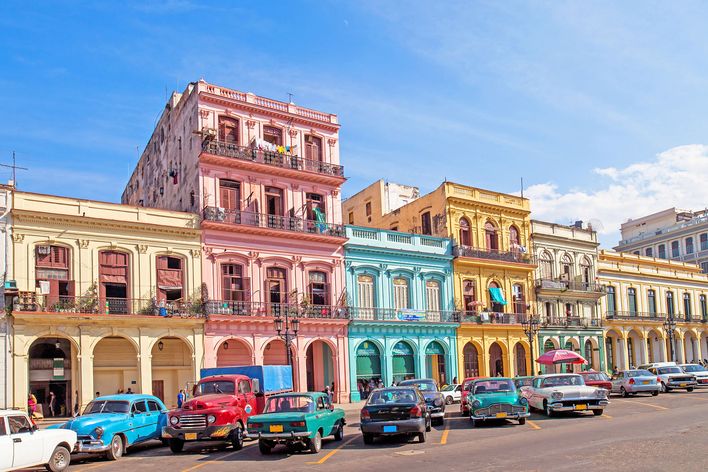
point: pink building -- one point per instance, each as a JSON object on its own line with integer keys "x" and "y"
{"x": 265, "y": 177}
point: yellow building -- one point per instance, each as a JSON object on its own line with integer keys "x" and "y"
{"x": 108, "y": 299}
{"x": 642, "y": 294}
{"x": 493, "y": 267}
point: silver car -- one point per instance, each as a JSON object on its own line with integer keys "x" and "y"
{"x": 631, "y": 382}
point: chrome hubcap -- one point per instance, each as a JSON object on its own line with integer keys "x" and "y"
{"x": 60, "y": 460}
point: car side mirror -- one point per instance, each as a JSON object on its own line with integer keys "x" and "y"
{"x": 35, "y": 428}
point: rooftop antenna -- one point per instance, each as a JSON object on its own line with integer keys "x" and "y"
{"x": 14, "y": 168}
{"x": 522, "y": 187}
{"x": 290, "y": 97}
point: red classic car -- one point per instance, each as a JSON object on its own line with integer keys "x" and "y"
{"x": 465, "y": 391}
{"x": 597, "y": 379}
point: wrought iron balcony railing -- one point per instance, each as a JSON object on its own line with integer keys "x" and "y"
{"x": 247, "y": 308}
{"x": 270, "y": 158}
{"x": 484, "y": 317}
{"x": 89, "y": 305}
{"x": 518, "y": 257}
{"x": 635, "y": 315}
{"x": 563, "y": 285}
{"x": 261, "y": 220}
{"x": 570, "y": 321}
{"x": 392, "y": 314}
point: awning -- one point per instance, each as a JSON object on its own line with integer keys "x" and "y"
{"x": 497, "y": 295}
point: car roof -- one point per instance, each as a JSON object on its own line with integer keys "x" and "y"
{"x": 492, "y": 378}
{"x": 546, "y": 376}
{"x": 127, "y": 397}
{"x": 410, "y": 381}
{"x": 301, "y": 394}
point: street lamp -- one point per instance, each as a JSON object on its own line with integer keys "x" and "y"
{"x": 670, "y": 327}
{"x": 531, "y": 326}
{"x": 287, "y": 328}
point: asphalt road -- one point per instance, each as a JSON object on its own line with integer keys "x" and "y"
{"x": 644, "y": 433}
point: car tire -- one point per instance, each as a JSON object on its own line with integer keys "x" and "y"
{"x": 422, "y": 437}
{"x": 663, "y": 388}
{"x": 654, "y": 393}
{"x": 368, "y": 438}
{"x": 176, "y": 445}
{"x": 115, "y": 450}
{"x": 598, "y": 412}
{"x": 237, "y": 438}
{"x": 315, "y": 444}
{"x": 448, "y": 400}
{"x": 264, "y": 447}
{"x": 522, "y": 421}
{"x": 623, "y": 392}
{"x": 59, "y": 460}
{"x": 547, "y": 409}
{"x": 428, "y": 425}
{"x": 689, "y": 389}
{"x": 339, "y": 432}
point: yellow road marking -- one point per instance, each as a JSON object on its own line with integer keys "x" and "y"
{"x": 443, "y": 439}
{"x": 532, "y": 424}
{"x": 606, "y": 416}
{"x": 333, "y": 451}
{"x": 211, "y": 461}
{"x": 658, "y": 407}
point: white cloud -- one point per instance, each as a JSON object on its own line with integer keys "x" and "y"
{"x": 675, "y": 178}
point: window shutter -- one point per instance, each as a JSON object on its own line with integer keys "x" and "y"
{"x": 71, "y": 288}
{"x": 246, "y": 289}
{"x": 327, "y": 292}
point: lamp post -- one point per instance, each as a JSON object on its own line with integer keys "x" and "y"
{"x": 286, "y": 327}
{"x": 531, "y": 326}
{"x": 670, "y": 327}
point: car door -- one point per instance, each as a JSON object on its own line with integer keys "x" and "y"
{"x": 6, "y": 446}
{"x": 153, "y": 426}
{"x": 140, "y": 421}
{"x": 27, "y": 447}
{"x": 249, "y": 403}
{"x": 458, "y": 393}
{"x": 616, "y": 381}
{"x": 325, "y": 418}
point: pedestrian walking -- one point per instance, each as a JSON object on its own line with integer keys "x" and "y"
{"x": 52, "y": 401}
{"x": 31, "y": 405}
{"x": 180, "y": 398}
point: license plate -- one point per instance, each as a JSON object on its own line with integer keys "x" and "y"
{"x": 390, "y": 429}
{"x": 190, "y": 436}
{"x": 581, "y": 407}
{"x": 276, "y": 428}
{"x": 501, "y": 415}
{"x": 682, "y": 385}
{"x": 645, "y": 382}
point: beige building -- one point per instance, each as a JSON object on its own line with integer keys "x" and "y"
{"x": 108, "y": 300}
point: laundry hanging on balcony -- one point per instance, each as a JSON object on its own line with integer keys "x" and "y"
{"x": 497, "y": 295}
{"x": 320, "y": 219}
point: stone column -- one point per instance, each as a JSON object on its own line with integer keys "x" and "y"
{"x": 645, "y": 350}
{"x": 625, "y": 352}
{"x": 145, "y": 366}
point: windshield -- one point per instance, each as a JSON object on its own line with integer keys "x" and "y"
{"x": 694, "y": 368}
{"x": 668, "y": 370}
{"x": 107, "y": 406}
{"x": 639, "y": 373}
{"x": 219, "y": 386}
{"x": 290, "y": 403}
{"x": 423, "y": 385}
{"x": 562, "y": 380}
{"x": 467, "y": 385}
{"x": 385, "y": 397}
{"x": 596, "y": 376}
{"x": 523, "y": 382}
{"x": 494, "y": 386}
{"x": 448, "y": 388}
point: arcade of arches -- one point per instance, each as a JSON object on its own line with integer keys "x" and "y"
{"x": 494, "y": 359}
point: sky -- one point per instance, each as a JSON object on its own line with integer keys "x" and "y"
{"x": 599, "y": 106}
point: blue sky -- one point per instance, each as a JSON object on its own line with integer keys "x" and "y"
{"x": 599, "y": 106}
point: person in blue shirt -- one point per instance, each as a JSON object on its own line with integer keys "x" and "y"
{"x": 180, "y": 398}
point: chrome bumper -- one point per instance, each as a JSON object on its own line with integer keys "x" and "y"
{"x": 91, "y": 447}
{"x": 560, "y": 407}
{"x": 290, "y": 435}
{"x": 509, "y": 416}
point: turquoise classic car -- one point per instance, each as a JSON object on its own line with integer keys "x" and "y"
{"x": 298, "y": 420}
{"x": 496, "y": 398}
{"x": 111, "y": 424}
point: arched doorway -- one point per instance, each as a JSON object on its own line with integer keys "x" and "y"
{"x": 549, "y": 345}
{"x": 172, "y": 369}
{"x": 233, "y": 352}
{"x": 403, "y": 361}
{"x": 588, "y": 354}
{"x": 320, "y": 366}
{"x": 471, "y": 360}
{"x": 496, "y": 363}
{"x": 520, "y": 357}
{"x": 368, "y": 366}
{"x": 571, "y": 344}
{"x": 274, "y": 353}
{"x": 52, "y": 361}
{"x": 435, "y": 362}
{"x": 115, "y": 367}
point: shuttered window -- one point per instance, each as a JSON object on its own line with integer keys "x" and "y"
{"x": 365, "y": 288}
{"x": 273, "y": 135}
{"x": 170, "y": 278}
{"x": 230, "y": 194}
{"x": 400, "y": 293}
{"x": 432, "y": 292}
{"x": 52, "y": 272}
{"x": 235, "y": 287}
{"x": 228, "y": 130}
{"x": 318, "y": 288}
{"x": 313, "y": 148}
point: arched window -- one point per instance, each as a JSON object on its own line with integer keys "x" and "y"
{"x": 471, "y": 357}
{"x": 586, "y": 271}
{"x": 51, "y": 267}
{"x": 632, "y": 301}
{"x": 687, "y": 306}
{"x": 432, "y": 295}
{"x": 400, "y": 293}
{"x": 318, "y": 288}
{"x": 235, "y": 287}
{"x": 276, "y": 287}
{"x": 365, "y": 292}
{"x": 566, "y": 268}
{"x": 520, "y": 354}
{"x": 114, "y": 279}
{"x": 519, "y": 299}
{"x": 670, "y": 303}
{"x": 588, "y": 353}
{"x": 611, "y": 300}
{"x": 491, "y": 236}
{"x": 513, "y": 237}
{"x": 497, "y": 297}
{"x": 651, "y": 302}
{"x": 465, "y": 237}
{"x": 170, "y": 278}
{"x": 546, "y": 265}
{"x": 469, "y": 298}
{"x": 228, "y": 130}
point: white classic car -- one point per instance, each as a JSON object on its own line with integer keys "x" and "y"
{"x": 564, "y": 392}
{"x": 22, "y": 444}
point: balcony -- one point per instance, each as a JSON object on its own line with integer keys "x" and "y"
{"x": 245, "y": 309}
{"x": 570, "y": 322}
{"x": 516, "y": 257}
{"x": 30, "y": 302}
{"x": 248, "y": 156}
{"x": 289, "y": 224}
{"x": 392, "y": 314}
{"x": 565, "y": 285}
{"x": 636, "y": 315}
{"x": 484, "y": 317}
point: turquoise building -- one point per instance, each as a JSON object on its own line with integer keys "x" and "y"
{"x": 401, "y": 299}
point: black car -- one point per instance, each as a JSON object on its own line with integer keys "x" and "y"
{"x": 433, "y": 397}
{"x": 395, "y": 411}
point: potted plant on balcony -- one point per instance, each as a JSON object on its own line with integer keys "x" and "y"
{"x": 88, "y": 302}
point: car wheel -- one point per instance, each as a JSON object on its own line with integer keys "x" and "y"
{"x": 115, "y": 450}
{"x": 663, "y": 387}
{"x": 176, "y": 445}
{"x": 547, "y": 409}
{"x": 316, "y": 443}
{"x": 368, "y": 438}
{"x": 59, "y": 459}
{"x": 654, "y": 393}
{"x": 237, "y": 438}
{"x": 598, "y": 412}
{"x": 623, "y": 392}
{"x": 448, "y": 400}
{"x": 339, "y": 432}
{"x": 473, "y": 423}
{"x": 422, "y": 437}
{"x": 522, "y": 421}
{"x": 264, "y": 447}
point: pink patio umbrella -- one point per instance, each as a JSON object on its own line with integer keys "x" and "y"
{"x": 561, "y": 356}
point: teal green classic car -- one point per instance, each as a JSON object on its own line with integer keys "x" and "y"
{"x": 496, "y": 398}
{"x": 298, "y": 420}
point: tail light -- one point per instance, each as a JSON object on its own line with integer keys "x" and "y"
{"x": 415, "y": 412}
{"x": 631, "y": 381}
{"x": 297, "y": 423}
{"x": 658, "y": 380}
{"x": 365, "y": 415}
{"x": 255, "y": 425}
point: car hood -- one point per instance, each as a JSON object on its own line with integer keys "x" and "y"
{"x": 85, "y": 424}
{"x": 487, "y": 399}
{"x": 278, "y": 417}
{"x": 213, "y": 400}
{"x": 572, "y": 391}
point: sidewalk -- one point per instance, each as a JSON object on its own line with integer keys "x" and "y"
{"x": 350, "y": 407}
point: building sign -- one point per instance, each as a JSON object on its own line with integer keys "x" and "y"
{"x": 410, "y": 315}
{"x": 58, "y": 368}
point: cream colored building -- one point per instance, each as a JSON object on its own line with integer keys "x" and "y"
{"x": 109, "y": 300}
{"x": 641, "y": 293}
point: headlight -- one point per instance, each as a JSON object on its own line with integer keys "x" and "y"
{"x": 476, "y": 404}
{"x": 557, "y": 395}
{"x": 601, "y": 393}
{"x": 98, "y": 432}
{"x": 211, "y": 418}
{"x": 174, "y": 420}
{"x": 523, "y": 401}
{"x": 438, "y": 401}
